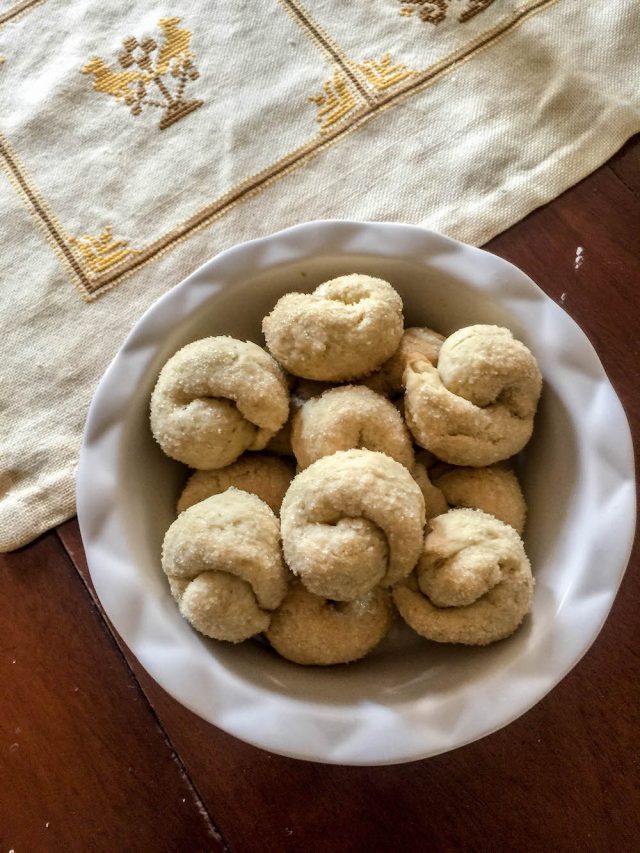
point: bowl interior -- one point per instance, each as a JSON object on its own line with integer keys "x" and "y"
{"x": 404, "y": 667}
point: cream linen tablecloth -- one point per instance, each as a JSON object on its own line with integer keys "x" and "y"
{"x": 138, "y": 140}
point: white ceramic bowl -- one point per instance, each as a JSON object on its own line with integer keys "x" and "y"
{"x": 410, "y": 699}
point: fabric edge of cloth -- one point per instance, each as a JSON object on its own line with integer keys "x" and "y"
{"x": 593, "y": 153}
{"x": 32, "y": 525}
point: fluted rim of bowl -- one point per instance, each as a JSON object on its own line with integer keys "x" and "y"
{"x": 367, "y": 733}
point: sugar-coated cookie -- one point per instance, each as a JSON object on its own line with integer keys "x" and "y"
{"x": 473, "y": 582}
{"x": 349, "y": 417}
{"x": 351, "y": 521}
{"x": 266, "y": 476}
{"x": 435, "y": 502}
{"x": 477, "y": 406}
{"x": 223, "y": 560}
{"x": 346, "y": 328}
{"x": 389, "y": 379}
{"x": 216, "y": 398}
{"x": 308, "y": 629}
{"x": 494, "y": 490}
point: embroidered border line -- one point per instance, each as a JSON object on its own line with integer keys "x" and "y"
{"x": 91, "y": 287}
{"x": 44, "y": 217}
{"x": 17, "y": 9}
{"x": 326, "y": 44}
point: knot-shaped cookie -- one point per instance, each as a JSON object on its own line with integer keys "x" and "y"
{"x": 435, "y": 502}
{"x": 266, "y": 476}
{"x": 477, "y": 406}
{"x": 311, "y": 630}
{"x": 216, "y": 398}
{"x": 222, "y": 557}
{"x": 349, "y": 417}
{"x": 301, "y": 390}
{"x": 416, "y": 341}
{"x": 345, "y": 329}
{"x": 494, "y": 490}
{"x": 472, "y": 584}
{"x": 351, "y": 521}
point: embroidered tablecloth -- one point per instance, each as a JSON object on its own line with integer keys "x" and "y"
{"x": 137, "y": 140}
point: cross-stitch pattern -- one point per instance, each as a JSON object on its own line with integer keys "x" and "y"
{"x": 383, "y": 73}
{"x": 157, "y": 71}
{"x": 335, "y": 101}
{"x": 436, "y": 11}
{"x": 173, "y": 57}
{"x": 101, "y": 252}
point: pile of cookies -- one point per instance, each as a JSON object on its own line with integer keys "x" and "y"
{"x": 350, "y": 471}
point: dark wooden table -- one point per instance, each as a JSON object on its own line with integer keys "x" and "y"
{"x": 94, "y": 756}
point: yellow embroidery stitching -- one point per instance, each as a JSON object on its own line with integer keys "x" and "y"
{"x": 382, "y": 74}
{"x": 102, "y": 252}
{"x": 95, "y": 286}
{"x": 174, "y": 57}
{"x": 435, "y": 11}
{"x": 335, "y": 101}
{"x": 176, "y": 44}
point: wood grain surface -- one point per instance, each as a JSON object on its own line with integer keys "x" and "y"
{"x": 85, "y": 763}
{"x": 96, "y": 756}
